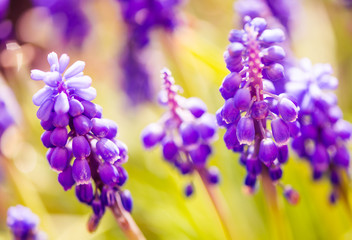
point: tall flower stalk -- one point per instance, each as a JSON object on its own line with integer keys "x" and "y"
{"x": 186, "y": 132}
{"x": 324, "y": 132}
{"x": 251, "y": 102}
{"x": 74, "y": 128}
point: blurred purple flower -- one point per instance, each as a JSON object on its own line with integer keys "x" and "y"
{"x": 250, "y": 101}
{"x": 135, "y": 80}
{"x": 6, "y": 119}
{"x": 23, "y": 224}
{"x": 185, "y": 132}
{"x": 324, "y": 134}
{"x": 141, "y": 18}
{"x": 75, "y": 128}
{"x": 69, "y": 18}
{"x": 5, "y": 24}
{"x": 284, "y": 11}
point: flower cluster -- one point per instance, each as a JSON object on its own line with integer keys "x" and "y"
{"x": 74, "y": 128}
{"x": 282, "y": 10}
{"x": 250, "y": 102}
{"x": 185, "y": 133}
{"x": 23, "y": 224}
{"x": 142, "y": 16}
{"x": 70, "y": 19}
{"x": 323, "y": 131}
{"x": 135, "y": 80}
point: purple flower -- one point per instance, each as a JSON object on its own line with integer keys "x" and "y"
{"x": 185, "y": 132}
{"x": 70, "y": 19}
{"x": 324, "y": 134}
{"x": 23, "y": 223}
{"x": 251, "y": 101}
{"x": 75, "y": 129}
{"x": 282, "y": 10}
{"x": 135, "y": 77}
{"x": 5, "y": 24}
{"x": 6, "y": 118}
{"x": 141, "y": 18}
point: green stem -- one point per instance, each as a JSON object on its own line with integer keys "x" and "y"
{"x": 219, "y": 205}
{"x": 277, "y": 225}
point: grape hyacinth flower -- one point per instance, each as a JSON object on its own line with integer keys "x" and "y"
{"x": 75, "y": 129}
{"x": 185, "y": 133}
{"x": 69, "y": 18}
{"x": 135, "y": 77}
{"x": 141, "y": 17}
{"x": 250, "y": 102}
{"x": 23, "y": 224}
{"x": 283, "y": 11}
{"x": 324, "y": 133}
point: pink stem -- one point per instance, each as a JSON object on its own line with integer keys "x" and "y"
{"x": 126, "y": 222}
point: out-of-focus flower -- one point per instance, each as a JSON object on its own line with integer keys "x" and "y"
{"x": 75, "y": 129}
{"x": 69, "y": 18}
{"x": 5, "y": 24}
{"x": 23, "y": 224}
{"x": 6, "y": 119}
{"x": 136, "y": 82}
{"x": 185, "y": 132}
{"x": 250, "y": 101}
{"x": 324, "y": 134}
{"x": 141, "y": 18}
{"x": 284, "y": 11}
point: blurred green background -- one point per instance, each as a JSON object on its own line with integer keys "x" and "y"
{"x": 194, "y": 54}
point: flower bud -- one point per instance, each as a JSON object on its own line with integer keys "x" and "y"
{"x": 170, "y": 149}
{"x": 108, "y": 173}
{"x": 65, "y": 178}
{"x": 288, "y": 110}
{"x": 59, "y": 159}
{"x": 59, "y": 137}
{"x": 213, "y": 175}
{"x": 80, "y": 147}
{"x": 82, "y": 124}
{"x": 76, "y": 108}
{"x": 81, "y": 171}
{"x": 245, "y": 131}
{"x": 267, "y": 151}
{"x": 200, "y": 154}
{"x": 229, "y": 112}
{"x": 152, "y": 135}
{"x": 281, "y": 132}
{"x": 84, "y": 192}
{"x": 196, "y": 106}
{"x": 242, "y": 99}
{"x": 108, "y": 150}
{"x": 189, "y": 133}
{"x": 126, "y": 200}
{"x": 272, "y": 36}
